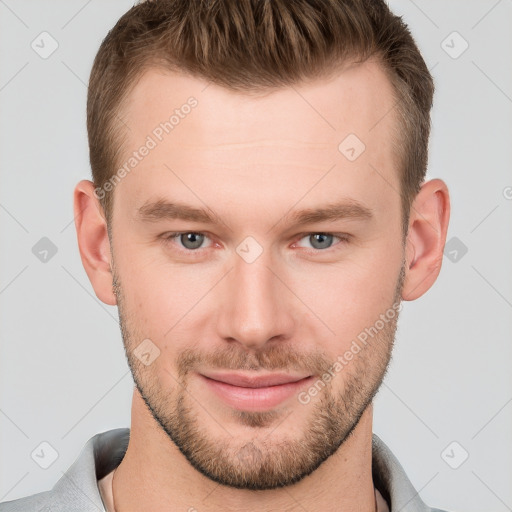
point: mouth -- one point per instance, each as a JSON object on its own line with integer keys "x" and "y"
{"x": 254, "y": 393}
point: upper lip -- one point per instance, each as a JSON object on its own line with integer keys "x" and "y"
{"x": 254, "y": 381}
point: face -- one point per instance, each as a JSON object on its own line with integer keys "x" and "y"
{"x": 246, "y": 240}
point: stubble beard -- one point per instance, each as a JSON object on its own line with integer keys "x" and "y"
{"x": 268, "y": 459}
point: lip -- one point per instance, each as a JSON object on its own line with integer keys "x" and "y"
{"x": 254, "y": 381}
{"x": 254, "y": 393}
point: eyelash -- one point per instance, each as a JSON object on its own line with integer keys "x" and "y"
{"x": 343, "y": 239}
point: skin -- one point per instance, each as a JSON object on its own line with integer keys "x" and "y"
{"x": 251, "y": 160}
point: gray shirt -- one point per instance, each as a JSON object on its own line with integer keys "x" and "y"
{"x": 77, "y": 490}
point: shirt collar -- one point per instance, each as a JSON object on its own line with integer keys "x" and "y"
{"x": 104, "y": 452}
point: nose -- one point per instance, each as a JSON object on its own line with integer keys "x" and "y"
{"x": 254, "y": 305}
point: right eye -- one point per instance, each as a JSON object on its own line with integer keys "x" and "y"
{"x": 189, "y": 240}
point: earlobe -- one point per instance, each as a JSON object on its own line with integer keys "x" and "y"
{"x": 428, "y": 225}
{"x": 93, "y": 242}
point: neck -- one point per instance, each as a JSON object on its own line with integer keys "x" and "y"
{"x": 154, "y": 475}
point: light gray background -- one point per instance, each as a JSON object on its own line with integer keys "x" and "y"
{"x": 63, "y": 375}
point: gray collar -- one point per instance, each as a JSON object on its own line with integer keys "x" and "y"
{"x": 77, "y": 489}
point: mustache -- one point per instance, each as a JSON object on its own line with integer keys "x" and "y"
{"x": 272, "y": 358}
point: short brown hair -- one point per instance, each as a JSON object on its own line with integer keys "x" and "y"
{"x": 256, "y": 45}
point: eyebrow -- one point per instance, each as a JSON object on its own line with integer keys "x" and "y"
{"x": 161, "y": 209}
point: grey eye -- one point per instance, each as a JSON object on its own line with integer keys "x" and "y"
{"x": 191, "y": 240}
{"x": 321, "y": 240}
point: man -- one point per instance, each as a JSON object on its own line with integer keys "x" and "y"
{"x": 258, "y": 211}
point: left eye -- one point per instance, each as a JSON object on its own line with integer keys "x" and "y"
{"x": 321, "y": 241}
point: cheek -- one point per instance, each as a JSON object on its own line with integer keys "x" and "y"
{"x": 159, "y": 297}
{"x": 349, "y": 296}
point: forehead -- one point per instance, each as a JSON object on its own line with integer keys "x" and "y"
{"x": 284, "y": 137}
{"x": 354, "y": 100}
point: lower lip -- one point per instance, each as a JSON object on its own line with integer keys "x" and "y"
{"x": 255, "y": 399}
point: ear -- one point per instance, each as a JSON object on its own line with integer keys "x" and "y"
{"x": 93, "y": 242}
{"x": 428, "y": 225}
